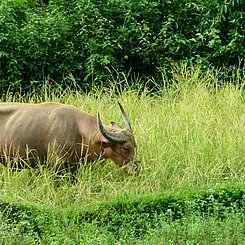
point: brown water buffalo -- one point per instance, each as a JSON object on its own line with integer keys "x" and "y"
{"x": 62, "y": 133}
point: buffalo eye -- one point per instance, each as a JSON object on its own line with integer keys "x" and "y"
{"x": 126, "y": 149}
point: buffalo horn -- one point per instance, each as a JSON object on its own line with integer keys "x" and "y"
{"x": 126, "y": 121}
{"x": 111, "y": 136}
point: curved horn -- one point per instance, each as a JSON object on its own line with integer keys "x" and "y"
{"x": 111, "y": 136}
{"x": 126, "y": 121}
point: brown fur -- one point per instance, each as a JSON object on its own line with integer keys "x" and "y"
{"x": 65, "y": 132}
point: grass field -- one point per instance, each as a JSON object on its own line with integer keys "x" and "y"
{"x": 189, "y": 135}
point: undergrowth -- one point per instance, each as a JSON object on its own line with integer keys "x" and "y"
{"x": 189, "y": 135}
{"x": 129, "y": 219}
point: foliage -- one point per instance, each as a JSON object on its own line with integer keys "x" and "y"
{"x": 52, "y": 39}
{"x": 195, "y": 139}
{"x": 128, "y": 217}
{"x": 190, "y": 187}
{"x": 144, "y": 213}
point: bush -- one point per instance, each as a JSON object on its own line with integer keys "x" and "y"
{"x": 137, "y": 215}
{"x": 55, "y": 38}
{"x": 141, "y": 214}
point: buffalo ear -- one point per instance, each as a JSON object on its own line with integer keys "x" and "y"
{"x": 115, "y": 125}
{"x": 105, "y": 144}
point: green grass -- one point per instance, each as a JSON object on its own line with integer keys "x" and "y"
{"x": 199, "y": 230}
{"x": 189, "y": 135}
{"x": 192, "y": 230}
{"x": 207, "y": 217}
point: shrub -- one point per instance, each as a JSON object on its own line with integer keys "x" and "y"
{"x": 137, "y": 215}
{"x": 85, "y": 38}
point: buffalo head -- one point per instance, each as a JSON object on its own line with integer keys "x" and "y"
{"x": 119, "y": 143}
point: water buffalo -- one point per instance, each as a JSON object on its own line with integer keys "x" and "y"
{"x": 64, "y": 134}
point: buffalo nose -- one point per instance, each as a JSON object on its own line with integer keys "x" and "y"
{"x": 136, "y": 163}
{"x": 131, "y": 167}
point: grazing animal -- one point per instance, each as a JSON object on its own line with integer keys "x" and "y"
{"x": 63, "y": 133}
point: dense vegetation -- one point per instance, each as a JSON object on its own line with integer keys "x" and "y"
{"x": 190, "y": 186}
{"x": 212, "y": 217}
{"x": 88, "y": 40}
{"x": 190, "y": 131}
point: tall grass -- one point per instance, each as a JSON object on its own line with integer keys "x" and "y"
{"x": 199, "y": 230}
{"x": 189, "y": 134}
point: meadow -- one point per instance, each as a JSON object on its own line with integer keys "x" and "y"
{"x": 190, "y": 140}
